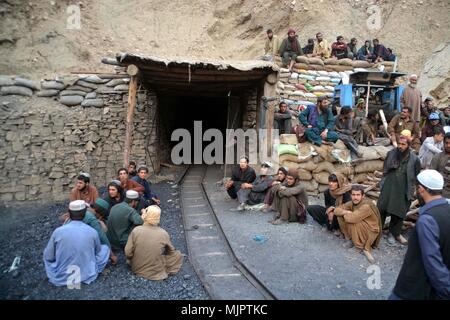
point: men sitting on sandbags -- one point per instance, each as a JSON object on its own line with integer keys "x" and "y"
{"x": 271, "y": 46}
{"x": 344, "y": 128}
{"x": 290, "y": 200}
{"x": 319, "y": 121}
{"x": 83, "y": 189}
{"x": 365, "y": 53}
{"x": 149, "y": 251}
{"x": 403, "y": 121}
{"x": 441, "y": 163}
{"x": 128, "y": 184}
{"x": 122, "y": 219}
{"x": 268, "y": 199}
{"x": 241, "y": 174}
{"x": 283, "y": 119}
{"x": 352, "y": 48}
{"x": 309, "y": 48}
{"x": 431, "y": 146}
{"x": 255, "y": 192}
{"x": 321, "y": 48}
{"x": 289, "y": 49}
{"x": 379, "y": 51}
{"x": 360, "y": 222}
{"x": 339, "y": 49}
{"x": 75, "y": 247}
{"x": 338, "y": 193}
{"x": 428, "y": 129}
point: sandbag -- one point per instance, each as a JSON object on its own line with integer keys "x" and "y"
{"x": 48, "y": 93}
{"x": 325, "y": 152}
{"x": 369, "y": 166}
{"x": 321, "y": 177}
{"x": 302, "y": 59}
{"x": 346, "y": 62}
{"x": 322, "y": 188}
{"x": 116, "y": 82}
{"x": 317, "y": 67}
{"x": 72, "y": 93}
{"x": 304, "y": 174}
{"x": 289, "y": 164}
{"x": 340, "y": 68}
{"x": 316, "y": 61}
{"x": 287, "y": 149}
{"x": 86, "y": 84}
{"x": 308, "y": 165}
{"x": 25, "y": 83}
{"x": 288, "y": 139}
{"x": 301, "y": 66}
{"x": 361, "y": 64}
{"x": 6, "y": 81}
{"x": 310, "y": 185}
{"x": 305, "y": 151}
{"x": 95, "y": 79}
{"x": 345, "y": 168}
{"x": 279, "y": 84}
{"x": 294, "y": 75}
{"x": 382, "y": 151}
{"x": 388, "y": 63}
{"x": 300, "y": 87}
{"x": 325, "y": 166}
{"x": 55, "y": 85}
{"x": 92, "y": 103}
{"x": 79, "y": 88}
{"x": 91, "y": 95}
{"x": 359, "y": 178}
{"x": 369, "y": 153}
{"x": 342, "y": 156}
{"x": 331, "y": 61}
{"x": 287, "y": 157}
{"x": 16, "y": 90}
{"x": 71, "y": 100}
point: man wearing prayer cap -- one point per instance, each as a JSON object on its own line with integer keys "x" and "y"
{"x": 75, "y": 244}
{"x": 83, "y": 189}
{"x": 149, "y": 250}
{"x": 123, "y": 217}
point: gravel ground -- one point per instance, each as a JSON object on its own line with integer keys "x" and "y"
{"x": 25, "y": 231}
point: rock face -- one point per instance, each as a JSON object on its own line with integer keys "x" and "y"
{"x": 435, "y": 77}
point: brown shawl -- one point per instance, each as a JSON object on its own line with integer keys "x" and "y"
{"x": 343, "y": 187}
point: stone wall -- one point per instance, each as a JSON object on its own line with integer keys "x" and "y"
{"x": 45, "y": 143}
{"x": 249, "y": 115}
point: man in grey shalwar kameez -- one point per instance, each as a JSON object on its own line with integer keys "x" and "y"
{"x": 255, "y": 192}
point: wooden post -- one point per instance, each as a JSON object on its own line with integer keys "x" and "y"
{"x": 133, "y": 71}
{"x": 367, "y": 98}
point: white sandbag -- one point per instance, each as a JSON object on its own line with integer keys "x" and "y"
{"x": 71, "y": 100}
{"x": 323, "y": 73}
{"x": 306, "y": 77}
{"x": 121, "y": 87}
{"x": 329, "y": 88}
{"x": 16, "y": 90}
{"x": 288, "y": 139}
{"x": 382, "y": 151}
{"x": 6, "y": 81}
{"x": 284, "y": 70}
{"x": 98, "y": 103}
{"x": 369, "y": 166}
{"x": 304, "y": 174}
{"x": 321, "y": 177}
{"x": 323, "y": 78}
{"x": 304, "y": 102}
{"x": 318, "y": 88}
{"x": 48, "y": 93}
{"x": 294, "y": 75}
{"x": 360, "y": 70}
{"x": 369, "y": 153}
{"x": 313, "y": 73}
{"x": 289, "y": 87}
{"x": 342, "y": 156}
{"x": 25, "y": 83}
{"x": 95, "y": 79}
{"x": 310, "y": 95}
{"x": 53, "y": 85}
{"x": 325, "y": 152}
{"x": 330, "y": 94}
{"x": 305, "y": 151}
{"x": 116, "y": 82}
{"x": 72, "y": 93}
{"x": 334, "y": 74}
{"x": 298, "y": 93}
{"x": 336, "y": 80}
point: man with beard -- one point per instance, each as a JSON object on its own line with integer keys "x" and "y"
{"x": 255, "y": 192}
{"x": 268, "y": 199}
{"x": 290, "y": 48}
{"x": 360, "y": 222}
{"x": 322, "y": 48}
{"x": 319, "y": 121}
{"x": 425, "y": 273}
{"x": 83, "y": 189}
{"x": 412, "y": 98}
{"x": 427, "y": 109}
{"x": 402, "y": 122}
{"x": 271, "y": 47}
{"x": 441, "y": 163}
{"x": 400, "y": 169}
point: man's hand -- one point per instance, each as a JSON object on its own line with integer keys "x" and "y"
{"x": 275, "y": 183}
{"x": 309, "y": 126}
{"x": 246, "y": 186}
{"x": 324, "y": 134}
{"x": 157, "y": 201}
{"x": 229, "y": 184}
{"x": 113, "y": 258}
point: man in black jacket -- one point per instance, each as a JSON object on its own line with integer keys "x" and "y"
{"x": 241, "y": 174}
{"x": 425, "y": 273}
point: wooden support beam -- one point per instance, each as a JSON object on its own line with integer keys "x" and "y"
{"x": 129, "y": 120}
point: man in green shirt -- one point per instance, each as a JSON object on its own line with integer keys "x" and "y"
{"x": 122, "y": 219}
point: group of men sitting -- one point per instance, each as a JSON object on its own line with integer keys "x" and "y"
{"x": 125, "y": 219}
{"x": 289, "y": 49}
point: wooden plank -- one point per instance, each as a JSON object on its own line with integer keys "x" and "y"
{"x": 129, "y": 120}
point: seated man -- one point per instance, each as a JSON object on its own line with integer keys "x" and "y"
{"x": 430, "y": 147}
{"x": 290, "y": 48}
{"x": 344, "y": 128}
{"x": 290, "y": 200}
{"x": 338, "y": 193}
{"x": 128, "y": 184}
{"x": 255, "y": 192}
{"x": 309, "y": 48}
{"x": 360, "y": 222}
{"x": 379, "y": 51}
{"x": 319, "y": 121}
{"x": 445, "y": 116}
{"x": 282, "y": 119}
{"x": 339, "y": 49}
{"x": 75, "y": 246}
{"x": 391, "y": 56}
{"x": 149, "y": 250}
{"x": 352, "y": 48}
{"x": 149, "y": 197}
{"x": 428, "y": 129}
{"x": 83, "y": 189}
{"x": 403, "y": 121}
{"x": 365, "y": 53}
{"x": 268, "y": 199}
{"x": 360, "y": 108}
{"x": 242, "y": 173}
{"x": 115, "y": 195}
{"x": 122, "y": 219}
{"x": 321, "y": 48}
{"x": 271, "y": 46}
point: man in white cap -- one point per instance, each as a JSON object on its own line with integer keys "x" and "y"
{"x": 83, "y": 189}
{"x": 75, "y": 246}
{"x": 412, "y": 98}
{"x": 123, "y": 217}
{"x": 425, "y": 273}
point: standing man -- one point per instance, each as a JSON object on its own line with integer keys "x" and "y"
{"x": 271, "y": 46}
{"x": 441, "y": 163}
{"x": 319, "y": 121}
{"x": 431, "y": 146}
{"x": 402, "y": 122}
{"x": 122, "y": 219}
{"x": 75, "y": 244}
{"x": 141, "y": 178}
{"x": 83, "y": 189}
{"x": 322, "y": 48}
{"x": 425, "y": 274}
{"x": 282, "y": 119}
{"x": 412, "y": 98}
{"x": 290, "y": 48}
{"x": 400, "y": 169}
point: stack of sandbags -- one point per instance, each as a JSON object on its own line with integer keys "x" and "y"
{"x": 11, "y": 85}
{"x": 315, "y": 164}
